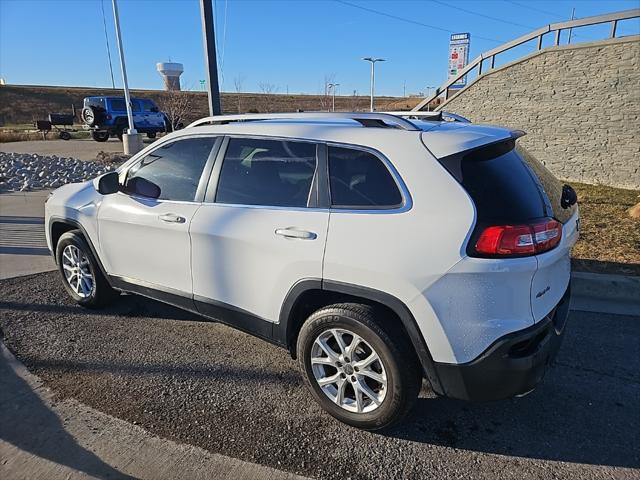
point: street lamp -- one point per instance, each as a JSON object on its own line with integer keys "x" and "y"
{"x": 373, "y": 61}
{"x": 333, "y": 97}
{"x": 428, "y": 95}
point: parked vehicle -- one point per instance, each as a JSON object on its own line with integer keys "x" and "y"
{"x": 379, "y": 250}
{"x": 107, "y": 116}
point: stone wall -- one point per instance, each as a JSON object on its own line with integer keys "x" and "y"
{"x": 579, "y": 104}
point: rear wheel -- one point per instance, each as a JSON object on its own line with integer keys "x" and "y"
{"x": 151, "y": 135}
{"x": 361, "y": 373}
{"x": 100, "y": 136}
{"x": 65, "y": 135}
{"x": 81, "y": 275}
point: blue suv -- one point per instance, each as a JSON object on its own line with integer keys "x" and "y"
{"x": 107, "y": 116}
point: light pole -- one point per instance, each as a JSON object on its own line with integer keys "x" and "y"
{"x": 132, "y": 140}
{"x": 333, "y": 95}
{"x": 373, "y": 61}
{"x": 428, "y": 95}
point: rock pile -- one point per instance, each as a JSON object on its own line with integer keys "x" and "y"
{"x": 26, "y": 171}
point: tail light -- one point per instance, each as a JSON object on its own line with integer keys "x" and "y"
{"x": 519, "y": 240}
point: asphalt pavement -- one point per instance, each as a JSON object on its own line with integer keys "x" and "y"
{"x": 204, "y": 384}
{"x": 82, "y": 149}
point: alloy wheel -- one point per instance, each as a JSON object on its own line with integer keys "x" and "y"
{"x": 348, "y": 370}
{"x": 77, "y": 271}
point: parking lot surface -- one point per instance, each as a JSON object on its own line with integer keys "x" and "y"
{"x": 204, "y": 384}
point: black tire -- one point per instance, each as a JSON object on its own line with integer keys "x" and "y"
{"x": 100, "y": 136}
{"x": 151, "y": 135}
{"x": 65, "y": 135}
{"x": 100, "y": 294}
{"x": 397, "y": 358}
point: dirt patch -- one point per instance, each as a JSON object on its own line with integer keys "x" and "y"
{"x": 609, "y": 238}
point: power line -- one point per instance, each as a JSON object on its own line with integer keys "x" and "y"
{"x": 539, "y": 10}
{"x": 483, "y": 15}
{"x": 408, "y": 20}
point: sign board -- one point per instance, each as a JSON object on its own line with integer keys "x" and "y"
{"x": 458, "y": 56}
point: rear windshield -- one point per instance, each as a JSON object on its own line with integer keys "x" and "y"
{"x": 503, "y": 186}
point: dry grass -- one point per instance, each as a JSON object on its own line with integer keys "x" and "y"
{"x": 609, "y": 237}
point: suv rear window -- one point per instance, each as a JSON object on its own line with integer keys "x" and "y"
{"x": 502, "y": 186}
{"x": 359, "y": 179}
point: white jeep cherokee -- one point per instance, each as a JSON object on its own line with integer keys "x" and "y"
{"x": 378, "y": 249}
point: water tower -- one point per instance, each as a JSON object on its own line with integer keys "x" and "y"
{"x": 171, "y": 74}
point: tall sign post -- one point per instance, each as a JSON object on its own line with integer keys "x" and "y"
{"x": 132, "y": 140}
{"x": 209, "y": 40}
{"x": 458, "y": 57}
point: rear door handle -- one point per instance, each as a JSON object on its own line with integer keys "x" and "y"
{"x": 172, "y": 218}
{"x": 295, "y": 233}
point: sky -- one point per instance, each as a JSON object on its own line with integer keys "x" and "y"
{"x": 290, "y": 44}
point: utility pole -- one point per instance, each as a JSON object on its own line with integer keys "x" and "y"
{"x": 404, "y": 89}
{"x": 209, "y": 40}
{"x": 373, "y": 61}
{"x": 333, "y": 96}
{"x": 132, "y": 140}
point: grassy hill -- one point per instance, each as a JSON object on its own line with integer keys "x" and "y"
{"x": 22, "y": 104}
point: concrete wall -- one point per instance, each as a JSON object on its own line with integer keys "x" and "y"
{"x": 579, "y": 104}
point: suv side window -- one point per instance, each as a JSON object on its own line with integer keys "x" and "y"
{"x": 359, "y": 179}
{"x": 148, "y": 105}
{"x": 175, "y": 168}
{"x": 119, "y": 105}
{"x": 275, "y": 173}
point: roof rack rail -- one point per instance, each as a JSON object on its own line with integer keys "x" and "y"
{"x": 366, "y": 119}
{"x": 433, "y": 116}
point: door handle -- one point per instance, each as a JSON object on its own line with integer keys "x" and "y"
{"x": 172, "y": 218}
{"x": 294, "y": 233}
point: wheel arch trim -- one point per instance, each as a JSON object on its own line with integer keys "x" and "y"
{"x": 284, "y": 331}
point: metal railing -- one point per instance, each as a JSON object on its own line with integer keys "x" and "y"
{"x": 611, "y": 18}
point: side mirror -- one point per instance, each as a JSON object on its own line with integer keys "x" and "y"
{"x": 143, "y": 187}
{"x": 109, "y": 183}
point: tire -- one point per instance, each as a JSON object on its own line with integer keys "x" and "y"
{"x": 151, "y": 135}
{"x": 396, "y": 364}
{"x": 100, "y": 136}
{"x": 93, "y": 291}
{"x": 89, "y": 116}
{"x": 65, "y": 135}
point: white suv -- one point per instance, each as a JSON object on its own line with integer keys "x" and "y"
{"x": 378, "y": 249}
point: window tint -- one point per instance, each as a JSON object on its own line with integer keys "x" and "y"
{"x": 502, "y": 186}
{"x": 148, "y": 105}
{"x": 267, "y": 172}
{"x": 360, "y": 179}
{"x": 175, "y": 168}
{"x": 119, "y": 105}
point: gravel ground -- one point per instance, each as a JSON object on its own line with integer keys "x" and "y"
{"x": 28, "y": 171}
{"x": 208, "y": 385}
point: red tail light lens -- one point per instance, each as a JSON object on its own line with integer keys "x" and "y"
{"x": 519, "y": 240}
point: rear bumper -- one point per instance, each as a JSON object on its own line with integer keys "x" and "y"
{"x": 512, "y": 365}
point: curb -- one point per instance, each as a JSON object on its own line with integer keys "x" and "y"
{"x": 605, "y": 293}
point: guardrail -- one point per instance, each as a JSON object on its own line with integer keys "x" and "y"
{"x": 612, "y": 18}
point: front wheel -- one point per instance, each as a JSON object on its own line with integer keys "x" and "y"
{"x": 151, "y": 135}
{"x": 361, "y": 373}
{"x": 82, "y": 278}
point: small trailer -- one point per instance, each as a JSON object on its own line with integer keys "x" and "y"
{"x": 61, "y": 122}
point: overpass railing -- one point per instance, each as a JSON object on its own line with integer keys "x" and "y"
{"x": 557, "y": 28}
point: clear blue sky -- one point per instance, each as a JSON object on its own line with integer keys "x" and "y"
{"x": 289, "y": 43}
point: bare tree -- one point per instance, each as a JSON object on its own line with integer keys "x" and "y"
{"x": 177, "y": 106}
{"x": 267, "y": 90}
{"x": 238, "y": 82}
{"x": 325, "y": 97}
